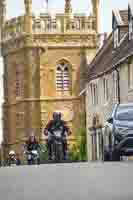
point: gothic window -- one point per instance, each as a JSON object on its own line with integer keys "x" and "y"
{"x": 62, "y": 77}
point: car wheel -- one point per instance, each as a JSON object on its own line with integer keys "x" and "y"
{"x": 116, "y": 155}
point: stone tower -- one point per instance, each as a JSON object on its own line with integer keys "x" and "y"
{"x": 45, "y": 59}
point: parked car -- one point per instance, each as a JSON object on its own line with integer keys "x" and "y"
{"x": 119, "y": 130}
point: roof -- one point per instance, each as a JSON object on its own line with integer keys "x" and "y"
{"x": 108, "y": 57}
{"x": 123, "y": 51}
{"x": 103, "y": 59}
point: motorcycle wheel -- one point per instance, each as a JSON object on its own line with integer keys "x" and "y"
{"x": 58, "y": 152}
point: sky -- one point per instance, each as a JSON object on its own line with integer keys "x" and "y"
{"x": 15, "y": 8}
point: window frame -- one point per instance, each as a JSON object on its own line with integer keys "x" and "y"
{"x": 130, "y": 75}
{"x": 116, "y": 37}
{"x": 94, "y": 93}
{"x": 106, "y": 89}
{"x": 63, "y": 78}
{"x": 131, "y": 28}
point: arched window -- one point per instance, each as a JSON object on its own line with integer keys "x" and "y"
{"x": 62, "y": 77}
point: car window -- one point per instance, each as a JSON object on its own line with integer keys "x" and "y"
{"x": 124, "y": 113}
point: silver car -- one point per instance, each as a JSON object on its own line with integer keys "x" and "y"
{"x": 121, "y": 125}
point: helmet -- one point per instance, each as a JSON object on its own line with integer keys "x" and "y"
{"x": 56, "y": 115}
{"x": 11, "y": 152}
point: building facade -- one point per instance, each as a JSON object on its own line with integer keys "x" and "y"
{"x": 44, "y": 69}
{"x": 110, "y": 79}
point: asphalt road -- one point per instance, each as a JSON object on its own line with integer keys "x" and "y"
{"x": 78, "y": 181}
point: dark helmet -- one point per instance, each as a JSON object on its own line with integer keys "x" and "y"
{"x": 57, "y": 115}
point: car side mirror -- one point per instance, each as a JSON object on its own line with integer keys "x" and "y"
{"x": 110, "y": 120}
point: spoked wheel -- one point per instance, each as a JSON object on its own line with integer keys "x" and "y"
{"x": 58, "y": 152}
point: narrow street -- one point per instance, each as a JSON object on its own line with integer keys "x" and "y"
{"x": 78, "y": 181}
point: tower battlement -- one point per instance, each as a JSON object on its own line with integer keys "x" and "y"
{"x": 48, "y": 24}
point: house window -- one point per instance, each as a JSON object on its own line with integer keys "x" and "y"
{"x": 62, "y": 77}
{"x": 115, "y": 82}
{"x": 106, "y": 90}
{"x": 130, "y": 75}
{"x": 94, "y": 93}
{"x": 116, "y": 37}
{"x": 116, "y": 89}
{"x": 130, "y": 29}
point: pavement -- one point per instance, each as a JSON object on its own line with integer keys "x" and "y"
{"x": 70, "y": 181}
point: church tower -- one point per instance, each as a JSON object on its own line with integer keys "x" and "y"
{"x": 45, "y": 60}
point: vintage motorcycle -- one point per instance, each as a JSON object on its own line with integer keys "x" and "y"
{"x": 32, "y": 157}
{"x": 57, "y": 145}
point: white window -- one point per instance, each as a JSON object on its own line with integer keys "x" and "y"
{"x": 62, "y": 77}
{"x": 94, "y": 93}
{"x": 130, "y": 29}
{"x": 130, "y": 75}
{"x": 115, "y": 83}
{"x": 116, "y": 37}
{"x": 106, "y": 90}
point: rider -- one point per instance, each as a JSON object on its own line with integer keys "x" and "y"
{"x": 13, "y": 158}
{"x": 56, "y": 123}
{"x": 32, "y": 144}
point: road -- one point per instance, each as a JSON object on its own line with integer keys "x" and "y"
{"x": 78, "y": 181}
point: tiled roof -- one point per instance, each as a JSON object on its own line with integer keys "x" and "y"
{"x": 108, "y": 57}
{"x": 123, "y": 51}
{"x": 103, "y": 59}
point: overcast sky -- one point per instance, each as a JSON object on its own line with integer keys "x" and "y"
{"x": 15, "y": 8}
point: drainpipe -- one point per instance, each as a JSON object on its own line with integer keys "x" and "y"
{"x": 118, "y": 85}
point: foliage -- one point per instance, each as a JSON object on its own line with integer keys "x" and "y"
{"x": 78, "y": 151}
{"x": 43, "y": 153}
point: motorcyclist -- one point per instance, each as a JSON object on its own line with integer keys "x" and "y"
{"x": 32, "y": 145}
{"x": 13, "y": 158}
{"x": 55, "y": 124}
